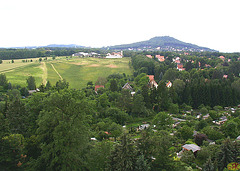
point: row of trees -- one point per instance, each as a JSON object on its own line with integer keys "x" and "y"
{"x": 6, "y": 54}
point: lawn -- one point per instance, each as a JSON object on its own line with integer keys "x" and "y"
{"x": 79, "y": 71}
{"x": 19, "y": 75}
{"x": 7, "y": 65}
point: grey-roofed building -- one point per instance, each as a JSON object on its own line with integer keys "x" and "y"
{"x": 192, "y": 147}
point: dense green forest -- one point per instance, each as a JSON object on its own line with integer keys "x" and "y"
{"x": 42, "y": 52}
{"x": 135, "y": 128}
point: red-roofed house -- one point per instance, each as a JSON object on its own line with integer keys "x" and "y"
{"x": 151, "y": 77}
{"x": 152, "y": 83}
{"x": 160, "y": 58}
{"x": 222, "y": 57}
{"x": 149, "y": 56}
{"x": 207, "y": 66}
{"x": 177, "y": 61}
{"x": 180, "y": 67}
{"x": 98, "y": 86}
{"x": 169, "y": 84}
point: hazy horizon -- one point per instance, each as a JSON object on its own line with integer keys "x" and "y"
{"x": 103, "y": 23}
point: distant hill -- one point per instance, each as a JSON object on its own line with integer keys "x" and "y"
{"x": 49, "y": 46}
{"x": 65, "y": 46}
{"x": 163, "y": 43}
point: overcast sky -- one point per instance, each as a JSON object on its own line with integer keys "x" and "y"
{"x": 96, "y": 23}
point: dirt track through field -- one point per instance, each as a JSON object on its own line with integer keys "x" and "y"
{"x": 57, "y": 72}
{"x": 44, "y": 76}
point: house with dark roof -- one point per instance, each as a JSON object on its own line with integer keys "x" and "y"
{"x": 191, "y": 147}
{"x": 127, "y": 86}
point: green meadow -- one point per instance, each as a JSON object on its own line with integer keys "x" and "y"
{"x": 76, "y": 71}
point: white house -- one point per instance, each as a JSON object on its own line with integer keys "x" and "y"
{"x": 115, "y": 55}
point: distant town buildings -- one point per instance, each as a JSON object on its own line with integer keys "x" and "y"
{"x": 84, "y": 54}
{"x": 115, "y": 55}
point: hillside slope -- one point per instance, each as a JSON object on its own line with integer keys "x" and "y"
{"x": 163, "y": 43}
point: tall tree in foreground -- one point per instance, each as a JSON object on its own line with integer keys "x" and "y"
{"x": 162, "y": 153}
{"x": 226, "y": 154}
{"x": 31, "y": 85}
{"x": 124, "y": 156}
{"x": 63, "y": 132}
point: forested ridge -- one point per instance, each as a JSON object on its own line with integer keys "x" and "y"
{"x": 141, "y": 127}
{"x": 6, "y": 54}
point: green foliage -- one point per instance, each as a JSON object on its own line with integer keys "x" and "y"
{"x": 171, "y": 75}
{"x": 101, "y": 81}
{"x": 98, "y": 155}
{"x": 115, "y": 129}
{"x": 173, "y": 108}
{"x": 213, "y": 134}
{"x": 17, "y": 117}
{"x": 3, "y": 80}
{"x": 116, "y": 115}
{"x": 12, "y": 152}
{"x": 201, "y": 124}
{"x": 113, "y": 85}
{"x": 123, "y": 157}
{"x": 186, "y": 132}
{"x": 179, "y": 85}
{"x": 226, "y": 154}
{"x": 62, "y": 84}
{"x": 13, "y": 94}
{"x": 162, "y": 98}
{"x": 138, "y": 107}
{"x": 204, "y": 110}
{"x": 187, "y": 157}
{"x": 162, "y": 153}
{"x": 230, "y": 128}
{"x": 162, "y": 120}
{"x": 209, "y": 165}
{"x": 141, "y": 80}
{"x": 62, "y": 134}
{"x": 31, "y": 85}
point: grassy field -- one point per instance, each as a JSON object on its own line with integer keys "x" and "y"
{"x": 77, "y": 71}
{"x": 19, "y": 75}
{"x": 81, "y": 70}
{"x": 7, "y": 65}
